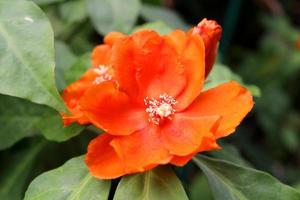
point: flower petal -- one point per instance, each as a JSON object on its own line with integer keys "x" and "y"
{"x": 208, "y": 144}
{"x": 193, "y": 60}
{"x": 112, "y": 37}
{"x": 144, "y": 63}
{"x": 101, "y": 55}
{"x": 72, "y": 95}
{"x": 184, "y": 134}
{"x": 230, "y": 101}
{"x": 112, "y": 110}
{"x": 141, "y": 150}
{"x": 210, "y": 32}
{"x": 102, "y": 160}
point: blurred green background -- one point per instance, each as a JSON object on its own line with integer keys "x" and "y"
{"x": 258, "y": 47}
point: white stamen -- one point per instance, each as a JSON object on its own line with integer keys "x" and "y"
{"x": 160, "y": 108}
{"x": 103, "y": 74}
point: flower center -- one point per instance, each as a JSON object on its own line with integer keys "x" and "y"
{"x": 103, "y": 74}
{"x": 160, "y": 108}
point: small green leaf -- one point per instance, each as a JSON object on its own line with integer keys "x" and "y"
{"x": 68, "y": 182}
{"x": 51, "y": 126}
{"x": 27, "y": 54}
{"x": 78, "y": 68}
{"x": 159, "y": 27}
{"x": 221, "y": 74}
{"x": 199, "y": 188}
{"x": 113, "y": 15}
{"x": 157, "y": 13}
{"x": 12, "y": 180}
{"x": 159, "y": 183}
{"x": 233, "y": 182}
{"x": 64, "y": 59}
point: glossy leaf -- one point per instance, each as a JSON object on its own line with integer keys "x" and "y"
{"x": 113, "y": 15}
{"x": 70, "y": 181}
{"x": 159, "y": 183}
{"x": 199, "y": 188}
{"x": 13, "y": 178}
{"x": 159, "y": 27}
{"x": 234, "y": 182}
{"x": 27, "y": 54}
{"x": 73, "y": 11}
{"x": 44, "y": 2}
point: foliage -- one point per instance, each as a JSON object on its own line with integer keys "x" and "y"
{"x": 46, "y": 44}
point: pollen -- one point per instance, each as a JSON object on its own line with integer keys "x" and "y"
{"x": 103, "y": 74}
{"x": 160, "y": 108}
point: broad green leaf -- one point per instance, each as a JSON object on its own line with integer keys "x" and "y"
{"x": 199, "y": 188}
{"x": 221, "y": 74}
{"x": 156, "y": 13}
{"x": 13, "y": 178}
{"x": 73, "y": 11}
{"x": 78, "y": 68}
{"x": 68, "y": 182}
{"x": 234, "y": 182}
{"x": 18, "y": 118}
{"x": 27, "y": 54}
{"x": 113, "y": 15}
{"x": 159, "y": 183}
{"x": 159, "y": 27}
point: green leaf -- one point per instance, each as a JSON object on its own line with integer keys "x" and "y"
{"x": 159, "y": 183}
{"x": 199, "y": 188}
{"x": 27, "y": 54}
{"x": 159, "y": 27}
{"x": 78, "y": 68}
{"x": 70, "y": 181}
{"x": 73, "y": 11}
{"x": 157, "y": 13}
{"x": 233, "y": 182}
{"x": 13, "y": 178}
{"x": 221, "y": 74}
{"x": 18, "y": 118}
{"x": 64, "y": 59}
{"x": 51, "y": 126}
{"x": 44, "y": 2}
{"x": 113, "y": 15}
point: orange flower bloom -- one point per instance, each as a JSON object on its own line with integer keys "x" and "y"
{"x": 298, "y": 44}
{"x": 154, "y": 111}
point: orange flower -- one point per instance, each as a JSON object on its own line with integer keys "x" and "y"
{"x": 298, "y": 44}
{"x": 154, "y": 110}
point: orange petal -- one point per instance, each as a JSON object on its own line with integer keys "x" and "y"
{"x": 208, "y": 144}
{"x": 211, "y": 32}
{"x": 112, "y": 110}
{"x": 72, "y": 95}
{"x": 141, "y": 150}
{"x": 144, "y": 63}
{"x": 101, "y": 55}
{"x": 230, "y": 101}
{"x": 112, "y": 37}
{"x": 184, "y": 134}
{"x": 102, "y": 160}
{"x": 193, "y": 60}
